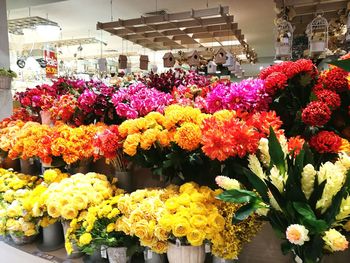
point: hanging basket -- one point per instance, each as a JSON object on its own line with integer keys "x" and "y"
{"x": 117, "y": 255}
{"x": 52, "y": 238}
{"x": 5, "y": 82}
{"x": 185, "y": 254}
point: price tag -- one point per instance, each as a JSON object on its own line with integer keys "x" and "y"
{"x": 149, "y": 254}
{"x": 103, "y": 251}
{"x": 207, "y": 248}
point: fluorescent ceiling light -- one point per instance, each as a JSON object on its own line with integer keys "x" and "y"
{"x": 48, "y": 31}
{"x": 230, "y": 43}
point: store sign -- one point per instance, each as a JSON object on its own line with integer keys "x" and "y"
{"x": 51, "y": 63}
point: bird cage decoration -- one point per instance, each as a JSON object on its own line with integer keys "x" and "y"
{"x": 317, "y": 32}
{"x": 230, "y": 60}
{"x": 284, "y": 38}
{"x": 220, "y": 56}
{"x": 211, "y": 67}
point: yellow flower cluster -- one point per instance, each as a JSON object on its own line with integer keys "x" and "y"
{"x": 14, "y": 189}
{"x": 66, "y": 198}
{"x": 234, "y": 236}
{"x": 193, "y": 214}
{"x": 179, "y": 124}
{"x": 141, "y": 212}
{"x": 95, "y": 222}
{"x": 8, "y": 133}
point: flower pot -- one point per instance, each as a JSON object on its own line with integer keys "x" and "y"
{"x": 8, "y": 163}
{"x": 55, "y": 164}
{"x": 117, "y": 255}
{"x": 152, "y": 257}
{"x": 222, "y": 260}
{"x": 5, "y": 82}
{"x": 266, "y": 245}
{"x": 82, "y": 166}
{"x": 124, "y": 181}
{"x": 76, "y": 253}
{"x": 52, "y": 238}
{"x": 29, "y": 167}
{"x": 22, "y": 240}
{"x": 144, "y": 178}
{"x": 185, "y": 254}
{"x": 96, "y": 257}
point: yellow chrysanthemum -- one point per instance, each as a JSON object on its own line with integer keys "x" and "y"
{"x": 188, "y": 136}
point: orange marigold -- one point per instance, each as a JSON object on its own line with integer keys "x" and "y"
{"x": 188, "y": 136}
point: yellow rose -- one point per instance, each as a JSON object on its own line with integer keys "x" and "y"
{"x": 161, "y": 233}
{"x": 196, "y": 237}
{"x": 166, "y": 222}
{"x": 131, "y": 143}
{"x": 197, "y": 197}
{"x": 123, "y": 225}
{"x": 140, "y": 229}
{"x": 216, "y": 221}
{"x": 85, "y": 239}
{"x": 79, "y": 202}
{"x": 198, "y": 221}
{"x": 148, "y": 138}
{"x": 53, "y": 211}
{"x": 172, "y": 204}
{"x": 30, "y": 232}
{"x": 184, "y": 199}
{"x": 181, "y": 228}
{"x": 160, "y": 247}
{"x": 69, "y": 212}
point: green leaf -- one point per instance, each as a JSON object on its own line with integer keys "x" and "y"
{"x": 344, "y": 64}
{"x": 276, "y": 194}
{"x": 317, "y": 193}
{"x": 244, "y": 212}
{"x": 238, "y": 196}
{"x": 286, "y": 247}
{"x": 304, "y": 210}
{"x": 315, "y": 225}
{"x": 276, "y": 152}
{"x": 278, "y": 222}
{"x": 313, "y": 97}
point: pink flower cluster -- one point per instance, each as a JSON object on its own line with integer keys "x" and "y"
{"x": 137, "y": 100}
{"x": 248, "y": 95}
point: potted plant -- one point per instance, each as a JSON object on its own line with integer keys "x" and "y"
{"x": 6, "y": 77}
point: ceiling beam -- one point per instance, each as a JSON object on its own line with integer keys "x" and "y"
{"x": 295, "y": 3}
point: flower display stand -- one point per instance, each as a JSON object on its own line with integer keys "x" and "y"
{"x": 186, "y": 254}
{"x": 52, "y": 238}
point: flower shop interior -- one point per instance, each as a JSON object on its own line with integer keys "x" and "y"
{"x": 162, "y": 131}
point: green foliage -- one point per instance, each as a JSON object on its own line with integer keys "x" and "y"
{"x": 8, "y": 73}
{"x": 344, "y": 64}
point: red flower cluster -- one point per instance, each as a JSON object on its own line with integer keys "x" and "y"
{"x": 64, "y": 108}
{"x": 295, "y": 144}
{"x": 107, "y": 142}
{"x": 237, "y": 136}
{"x": 335, "y": 79}
{"x": 326, "y": 142}
{"x": 330, "y": 98}
{"x": 317, "y": 113}
{"x": 277, "y": 76}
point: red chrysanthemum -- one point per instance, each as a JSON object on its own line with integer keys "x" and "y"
{"x": 335, "y": 79}
{"x": 301, "y": 65}
{"x": 262, "y": 121}
{"x": 326, "y": 142}
{"x": 317, "y": 113}
{"x": 295, "y": 144}
{"x": 275, "y": 81}
{"x": 329, "y": 97}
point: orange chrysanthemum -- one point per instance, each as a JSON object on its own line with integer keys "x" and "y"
{"x": 188, "y": 136}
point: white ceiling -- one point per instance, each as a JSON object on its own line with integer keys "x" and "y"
{"x": 78, "y": 18}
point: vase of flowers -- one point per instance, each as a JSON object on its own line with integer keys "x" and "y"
{"x": 75, "y": 251}
{"x": 185, "y": 254}
{"x": 306, "y": 203}
{"x": 117, "y": 255}
{"x": 6, "y": 77}
{"x": 152, "y": 257}
{"x": 52, "y": 237}
{"x": 20, "y": 239}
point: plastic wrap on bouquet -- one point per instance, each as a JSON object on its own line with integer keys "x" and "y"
{"x": 76, "y": 253}
{"x": 22, "y": 240}
{"x": 52, "y": 238}
{"x": 186, "y": 254}
{"x": 117, "y": 255}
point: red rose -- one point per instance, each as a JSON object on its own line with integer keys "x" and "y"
{"x": 317, "y": 113}
{"x": 329, "y": 97}
{"x": 275, "y": 81}
{"x": 326, "y": 142}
